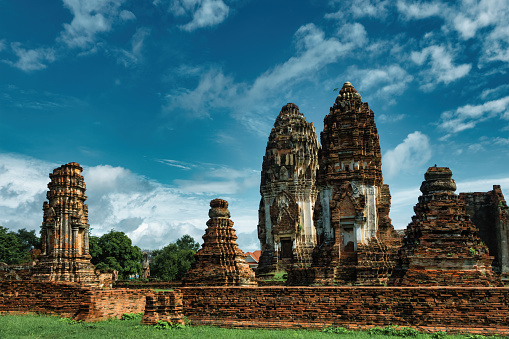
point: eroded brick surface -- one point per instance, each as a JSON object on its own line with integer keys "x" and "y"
{"x": 490, "y": 214}
{"x": 163, "y": 306}
{"x": 356, "y": 242}
{"x": 441, "y": 246}
{"x": 478, "y": 309}
{"x": 64, "y": 233}
{"x": 69, "y": 300}
{"x": 220, "y": 261}
{"x": 285, "y": 227}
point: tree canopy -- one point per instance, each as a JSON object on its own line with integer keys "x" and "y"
{"x": 174, "y": 260}
{"x": 15, "y": 246}
{"x": 114, "y": 250}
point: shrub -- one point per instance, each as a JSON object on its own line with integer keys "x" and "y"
{"x": 164, "y": 325}
{"x": 337, "y": 330}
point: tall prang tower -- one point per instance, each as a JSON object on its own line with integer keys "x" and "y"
{"x": 64, "y": 231}
{"x": 353, "y": 205}
{"x": 286, "y": 229}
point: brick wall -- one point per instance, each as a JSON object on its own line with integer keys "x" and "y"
{"x": 41, "y": 297}
{"x": 101, "y": 304}
{"x": 162, "y": 285}
{"x": 164, "y": 306}
{"x": 481, "y": 310}
{"x": 69, "y": 300}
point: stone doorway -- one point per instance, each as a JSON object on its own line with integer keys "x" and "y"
{"x": 286, "y": 248}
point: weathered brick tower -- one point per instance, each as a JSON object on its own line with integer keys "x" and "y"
{"x": 64, "y": 232}
{"x": 353, "y": 203}
{"x": 490, "y": 214}
{"x": 220, "y": 261}
{"x": 441, "y": 246}
{"x": 286, "y": 230}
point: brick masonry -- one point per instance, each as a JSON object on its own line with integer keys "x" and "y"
{"x": 69, "y": 300}
{"x": 467, "y": 309}
{"x": 472, "y": 309}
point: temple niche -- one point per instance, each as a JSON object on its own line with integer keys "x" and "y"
{"x": 441, "y": 246}
{"x": 286, "y": 230}
{"x": 64, "y": 232}
{"x": 220, "y": 261}
{"x": 351, "y": 213}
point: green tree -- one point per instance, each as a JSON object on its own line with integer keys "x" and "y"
{"x": 114, "y": 250}
{"x": 15, "y": 246}
{"x": 11, "y": 248}
{"x": 174, "y": 260}
{"x": 28, "y": 239}
{"x": 187, "y": 243}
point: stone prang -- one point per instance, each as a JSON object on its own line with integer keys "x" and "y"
{"x": 64, "y": 232}
{"x": 220, "y": 261}
{"x": 286, "y": 230}
{"x": 351, "y": 213}
{"x": 441, "y": 246}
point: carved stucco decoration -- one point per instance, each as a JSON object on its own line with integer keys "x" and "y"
{"x": 284, "y": 214}
{"x": 349, "y": 200}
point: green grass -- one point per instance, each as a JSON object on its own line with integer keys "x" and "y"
{"x": 35, "y": 326}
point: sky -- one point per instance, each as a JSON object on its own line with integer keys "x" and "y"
{"x": 168, "y": 104}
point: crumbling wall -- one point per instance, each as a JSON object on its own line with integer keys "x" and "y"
{"x": 163, "y": 306}
{"x": 478, "y": 310}
{"x": 69, "y": 300}
{"x": 102, "y": 304}
{"x": 490, "y": 214}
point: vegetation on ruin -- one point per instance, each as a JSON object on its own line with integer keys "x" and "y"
{"x": 15, "y": 246}
{"x": 114, "y": 250}
{"x": 35, "y": 326}
{"x": 173, "y": 261}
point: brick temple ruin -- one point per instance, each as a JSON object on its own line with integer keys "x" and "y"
{"x": 286, "y": 229}
{"x": 64, "y": 235}
{"x": 220, "y": 261}
{"x": 441, "y": 246}
{"x": 324, "y": 219}
{"x": 353, "y": 240}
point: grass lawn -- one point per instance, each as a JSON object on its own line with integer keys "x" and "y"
{"x": 35, "y": 326}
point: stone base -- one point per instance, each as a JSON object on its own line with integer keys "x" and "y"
{"x": 77, "y": 270}
{"x": 463, "y": 278}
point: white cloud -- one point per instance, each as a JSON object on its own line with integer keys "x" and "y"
{"x": 442, "y": 68}
{"x": 176, "y": 163}
{"x": 353, "y": 33}
{"x": 360, "y": 9}
{"x": 207, "y": 13}
{"x": 150, "y": 213}
{"x": 216, "y": 90}
{"x": 90, "y": 18}
{"x": 32, "y": 59}
{"x": 2, "y": 45}
{"x": 491, "y": 93}
{"x": 501, "y": 141}
{"x": 485, "y": 20}
{"x": 391, "y": 118}
{"x": 135, "y": 55}
{"x": 203, "y": 13}
{"x": 420, "y": 10}
{"x": 412, "y": 153}
{"x": 468, "y": 116}
{"x": 474, "y": 148}
{"x": 127, "y": 15}
{"x": 387, "y": 81}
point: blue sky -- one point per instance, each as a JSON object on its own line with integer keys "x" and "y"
{"x": 168, "y": 104}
